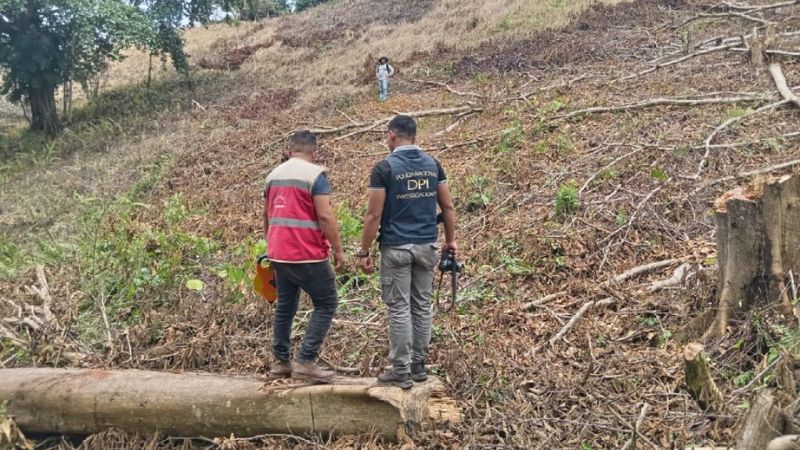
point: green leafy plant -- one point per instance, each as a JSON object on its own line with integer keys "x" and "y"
{"x": 126, "y": 262}
{"x": 566, "y": 202}
{"x": 621, "y": 218}
{"x": 513, "y": 136}
{"x": 659, "y": 174}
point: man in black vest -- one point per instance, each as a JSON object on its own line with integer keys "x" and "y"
{"x": 404, "y": 191}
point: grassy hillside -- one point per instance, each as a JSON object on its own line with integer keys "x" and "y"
{"x": 154, "y": 186}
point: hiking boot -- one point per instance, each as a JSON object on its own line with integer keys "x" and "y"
{"x": 418, "y": 372}
{"x": 311, "y": 371}
{"x": 401, "y": 380}
{"x": 281, "y": 368}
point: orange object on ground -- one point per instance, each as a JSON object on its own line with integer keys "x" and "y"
{"x": 264, "y": 281}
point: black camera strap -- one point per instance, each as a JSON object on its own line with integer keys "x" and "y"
{"x": 446, "y": 305}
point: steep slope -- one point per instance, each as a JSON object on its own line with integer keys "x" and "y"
{"x": 552, "y": 204}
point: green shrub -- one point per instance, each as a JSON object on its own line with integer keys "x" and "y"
{"x": 566, "y": 200}
{"x": 126, "y": 262}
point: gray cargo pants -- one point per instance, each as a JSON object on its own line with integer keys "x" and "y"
{"x": 407, "y": 287}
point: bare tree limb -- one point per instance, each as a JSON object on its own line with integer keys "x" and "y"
{"x": 541, "y": 301}
{"x": 678, "y": 61}
{"x": 586, "y": 307}
{"x": 365, "y": 127}
{"x": 723, "y": 126}
{"x": 606, "y": 167}
{"x": 758, "y": 8}
{"x": 780, "y": 83}
{"x": 773, "y": 168}
{"x": 448, "y": 88}
{"x": 663, "y": 102}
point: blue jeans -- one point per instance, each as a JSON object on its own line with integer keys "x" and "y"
{"x": 384, "y": 86}
{"x": 319, "y": 281}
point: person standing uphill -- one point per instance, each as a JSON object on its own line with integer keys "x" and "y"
{"x": 383, "y": 73}
{"x": 299, "y": 225}
{"x": 404, "y": 191}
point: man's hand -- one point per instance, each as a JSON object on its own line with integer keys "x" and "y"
{"x": 338, "y": 261}
{"x": 452, "y": 246}
{"x": 366, "y": 264}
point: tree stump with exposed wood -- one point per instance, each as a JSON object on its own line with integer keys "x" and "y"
{"x": 758, "y": 247}
{"x": 699, "y": 382}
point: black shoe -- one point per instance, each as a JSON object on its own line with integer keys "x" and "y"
{"x": 401, "y": 380}
{"x": 418, "y": 372}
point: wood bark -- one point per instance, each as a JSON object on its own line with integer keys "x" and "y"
{"x": 699, "y": 382}
{"x": 763, "y": 423}
{"x": 77, "y": 401}
{"x": 788, "y": 442}
{"x": 44, "y": 113}
{"x": 758, "y": 243}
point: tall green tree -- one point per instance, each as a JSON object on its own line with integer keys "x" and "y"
{"x": 302, "y": 5}
{"x": 44, "y": 43}
{"x": 262, "y": 9}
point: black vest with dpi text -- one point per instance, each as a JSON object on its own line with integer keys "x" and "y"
{"x": 409, "y": 213}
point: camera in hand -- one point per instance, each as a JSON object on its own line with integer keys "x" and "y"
{"x": 449, "y": 263}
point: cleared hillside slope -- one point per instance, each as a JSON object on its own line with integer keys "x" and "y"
{"x": 550, "y": 203}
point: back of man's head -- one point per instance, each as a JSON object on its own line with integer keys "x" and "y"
{"x": 303, "y": 141}
{"x": 404, "y": 127}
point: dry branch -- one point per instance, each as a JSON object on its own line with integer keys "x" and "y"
{"x": 747, "y": 174}
{"x": 723, "y": 126}
{"x": 719, "y": 48}
{"x": 758, "y": 8}
{"x": 586, "y": 307}
{"x": 679, "y": 276}
{"x": 448, "y": 88}
{"x": 365, "y": 127}
{"x": 780, "y": 83}
{"x": 663, "y": 102}
{"x": 606, "y": 167}
{"x": 541, "y": 301}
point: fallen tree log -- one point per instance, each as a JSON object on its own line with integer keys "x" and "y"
{"x": 77, "y": 401}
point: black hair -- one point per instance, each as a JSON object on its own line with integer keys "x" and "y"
{"x": 403, "y": 126}
{"x": 383, "y": 60}
{"x": 303, "y": 140}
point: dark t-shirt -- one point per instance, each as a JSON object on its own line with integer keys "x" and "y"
{"x": 321, "y": 186}
{"x": 410, "y": 178}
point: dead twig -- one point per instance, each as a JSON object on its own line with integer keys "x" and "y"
{"x": 747, "y": 174}
{"x": 780, "y": 83}
{"x": 448, "y": 88}
{"x": 723, "y": 126}
{"x": 586, "y": 307}
{"x": 365, "y": 127}
{"x": 663, "y": 102}
{"x": 606, "y": 167}
{"x": 678, "y": 61}
{"x": 541, "y": 301}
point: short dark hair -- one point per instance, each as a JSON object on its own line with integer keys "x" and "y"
{"x": 382, "y": 59}
{"x": 303, "y": 140}
{"x": 403, "y": 126}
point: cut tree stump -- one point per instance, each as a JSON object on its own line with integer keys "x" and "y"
{"x": 758, "y": 244}
{"x": 699, "y": 382}
{"x": 77, "y": 401}
{"x": 763, "y": 423}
